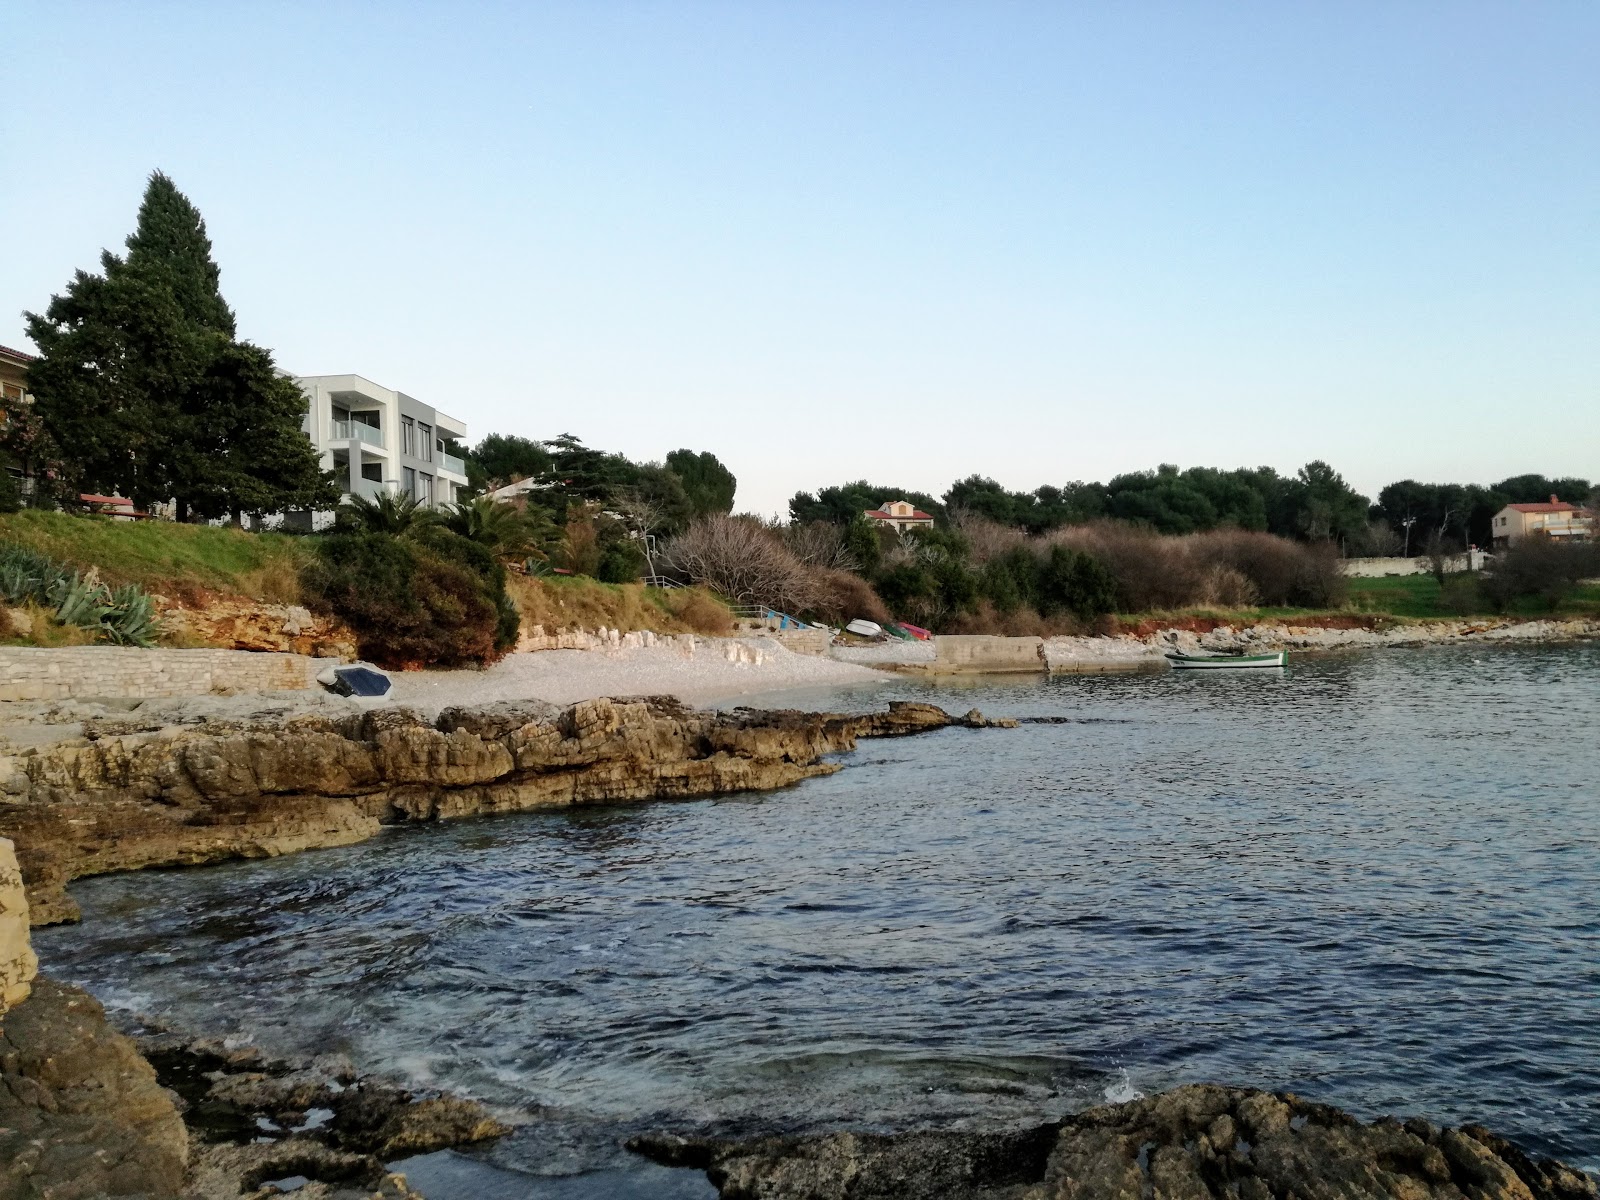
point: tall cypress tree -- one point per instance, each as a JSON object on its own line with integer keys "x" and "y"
{"x": 171, "y": 240}
{"x": 141, "y": 381}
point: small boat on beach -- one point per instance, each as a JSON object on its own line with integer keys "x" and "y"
{"x": 1191, "y": 662}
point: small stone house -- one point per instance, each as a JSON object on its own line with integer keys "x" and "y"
{"x": 1554, "y": 519}
{"x": 899, "y": 515}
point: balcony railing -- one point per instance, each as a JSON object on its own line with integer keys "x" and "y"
{"x": 372, "y": 489}
{"x": 449, "y": 462}
{"x": 360, "y": 430}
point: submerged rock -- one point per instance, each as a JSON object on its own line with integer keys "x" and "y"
{"x": 1200, "y": 1142}
{"x": 126, "y": 793}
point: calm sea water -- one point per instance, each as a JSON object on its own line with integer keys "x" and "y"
{"x": 1372, "y": 879}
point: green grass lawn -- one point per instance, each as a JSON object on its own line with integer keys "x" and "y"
{"x": 162, "y": 556}
{"x": 1420, "y": 596}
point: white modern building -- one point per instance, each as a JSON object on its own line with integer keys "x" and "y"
{"x": 382, "y": 440}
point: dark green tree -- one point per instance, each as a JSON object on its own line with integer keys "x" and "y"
{"x": 143, "y": 386}
{"x": 844, "y": 504}
{"x": 505, "y": 457}
{"x": 708, "y": 484}
{"x": 170, "y": 243}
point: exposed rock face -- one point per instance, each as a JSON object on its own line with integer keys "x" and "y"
{"x": 124, "y": 795}
{"x": 81, "y": 1113}
{"x": 1200, "y": 1142}
{"x": 239, "y": 623}
{"x": 253, "y": 1120}
{"x": 17, "y": 961}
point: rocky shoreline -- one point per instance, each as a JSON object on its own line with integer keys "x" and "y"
{"x": 180, "y": 784}
{"x": 87, "y": 1111}
{"x": 1199, "y": 1142}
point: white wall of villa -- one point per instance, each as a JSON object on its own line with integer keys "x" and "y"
{"x": 382, "y": 440}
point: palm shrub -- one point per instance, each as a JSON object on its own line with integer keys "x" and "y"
{"x": 390, "y": 513}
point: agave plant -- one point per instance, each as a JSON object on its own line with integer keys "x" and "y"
{"x": 80, "y": 600}
{"x": 130, "y": 619}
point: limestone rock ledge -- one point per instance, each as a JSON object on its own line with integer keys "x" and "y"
{"x": 1198, "y": 1142}
{"x": 18, "y": 964}
{"x": 81, "y": 1112}
{"x": 128, "y": 793}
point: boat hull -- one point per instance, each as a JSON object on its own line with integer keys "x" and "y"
{"x": 1226, "y": 662}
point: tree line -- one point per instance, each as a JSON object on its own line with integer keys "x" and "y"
{"x": 1315, "y": 504}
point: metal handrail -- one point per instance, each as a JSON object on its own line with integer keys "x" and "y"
{"x": 660, "y": 581}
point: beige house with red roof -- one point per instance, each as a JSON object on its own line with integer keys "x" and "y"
{"x": 1553, "y": 519}
{"x": 900, "y": 515}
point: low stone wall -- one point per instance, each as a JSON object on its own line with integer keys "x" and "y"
{"x": 982, "y": 653}
{"x": 1376, "y": 568}
{"x": 17, "y": 962}
{"x": 73, "y": 672}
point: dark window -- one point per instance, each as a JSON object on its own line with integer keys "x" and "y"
{"x": 408, "y": 436}
{"x": 424, "y": 442}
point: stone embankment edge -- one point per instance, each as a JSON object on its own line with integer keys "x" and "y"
{"x": 85, "y": 672}
{"x": 983, "y": 654}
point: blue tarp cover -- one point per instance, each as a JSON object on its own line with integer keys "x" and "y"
{"x": 360, "y": 681}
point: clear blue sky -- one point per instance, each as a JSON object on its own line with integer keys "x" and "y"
{"x": 907, "y": 241}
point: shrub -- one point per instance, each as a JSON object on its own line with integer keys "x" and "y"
{"x": 1235, "y": 567}
{"x": 746, "y": 562}
{"x": 1538, "y": 567}
{"x": 846, "y": 597}
{"x": 411, "y": 603}
{"x": 698, "y": 611}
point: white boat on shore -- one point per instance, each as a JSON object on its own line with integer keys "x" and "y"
{"x": 1212, "y": 662}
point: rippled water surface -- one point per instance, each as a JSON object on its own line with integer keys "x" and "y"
{"x": 1370, "y": 879}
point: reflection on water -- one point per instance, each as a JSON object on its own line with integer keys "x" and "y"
{"x": 1370, "y": 879}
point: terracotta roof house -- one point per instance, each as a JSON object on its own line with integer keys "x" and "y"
{"x": 900, "y": 515}
{"x": 1553, "y": 519}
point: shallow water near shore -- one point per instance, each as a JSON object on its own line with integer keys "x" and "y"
{"x": 1370, "y": 878}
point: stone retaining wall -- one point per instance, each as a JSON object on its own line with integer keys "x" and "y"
{"x": 72, "y": 672}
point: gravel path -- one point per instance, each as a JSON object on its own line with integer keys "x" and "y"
{"x": 566, "y": 676}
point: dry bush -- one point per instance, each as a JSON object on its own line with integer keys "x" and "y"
{"x": 276, "y": 582}
{"x": 819, "y": 544}
{"x": 746, "y": 562}
{"x": 1232, "y": 568}
{"x": 989, "y": 539}
{"x": 1152, "y": 571}
{"x": 1226, "y": 587}
{"x": 698, "y": 612}
{"x": 1021, "y": 622}
{"x": 564, "y": 604}
{"x": 845, "y": 597}
{"x": 580, "y": 543}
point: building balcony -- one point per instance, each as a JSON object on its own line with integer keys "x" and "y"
{"x": 449, "y": 462}
{"x": 373, "y": 489}
{"x": 360, "y": 431}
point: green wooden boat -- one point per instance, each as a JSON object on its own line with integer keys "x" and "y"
{"x": 1212, "y": 662}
